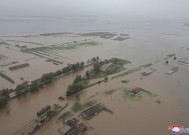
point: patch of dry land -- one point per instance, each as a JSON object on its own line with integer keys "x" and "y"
{"x": 107, "y": 92}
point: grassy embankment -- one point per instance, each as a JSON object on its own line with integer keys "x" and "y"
{"x": 132, "y": 71}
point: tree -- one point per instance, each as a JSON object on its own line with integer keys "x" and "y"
{"x": 97, "y": 58}
{"x": 34, "y": 87}
{"x": 5, "y": 93}
{"x": 106, "y": 79}
{"x": 82, "y": 64}
{"x": 87, "y": 74}
{"x": 3, "y": 100}
{"x": 96, "y": 67}
{"x": 47, "y": 78}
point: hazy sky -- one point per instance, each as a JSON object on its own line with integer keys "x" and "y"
{"x": 152, "y": 8}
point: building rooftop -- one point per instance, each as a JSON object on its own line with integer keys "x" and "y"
{"x": 136, "y": 91}
{"x": 76, "y": 130}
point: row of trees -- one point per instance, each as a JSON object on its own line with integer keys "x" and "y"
{"x": 94, "y": 59}
{"x": 47, "y": 79}
{"x": 4, "y": 97}
{"x": 79, "y": 83}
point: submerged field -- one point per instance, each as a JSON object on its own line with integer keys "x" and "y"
{"x": 56, "y": 52}
{"x": 145, "y": 48}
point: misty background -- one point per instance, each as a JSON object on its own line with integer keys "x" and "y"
{"x": 177, "y": 9}
{"x": 25, "y": 17}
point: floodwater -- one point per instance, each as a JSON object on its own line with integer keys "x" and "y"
{"x": 150, "y": 41}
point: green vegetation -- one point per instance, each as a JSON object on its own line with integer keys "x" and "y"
{"x": 78, "y": 84}
{"x": 132, "y": 71}
{"x": 89, "y": 103}
{"x": 125, "y": 81}
{"x": 79, "y": 107}
{"x": 3, "y": 101}
{"x": 6, "y": 78}
{"x": 4, "y": 97}
{"x": 110, "y": 92}
{"x": 81, "y": 82}
{"x": 51, "y": 52}
{"x": 96, "y": 72}
{"x": 55, "y": 109}
{"x": 46, "y": 79}
{"x": 127, "y": 95}
{"x": 65, "y": 116}
{"x": 126, "y": 73}
{"x": 119, "y": 61}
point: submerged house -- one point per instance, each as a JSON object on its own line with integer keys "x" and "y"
{"x": 172, "y": 70}
{"x": 78, "y": 129}
{"x": 19, "y": 66}
{"x": 148, "y": 71}
{"x": 136, "y": 91}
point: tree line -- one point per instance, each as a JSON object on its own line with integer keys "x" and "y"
{"x": 80, "y": 82}
{"x": 4, "y": 97}
{"x": 46, "y": 79}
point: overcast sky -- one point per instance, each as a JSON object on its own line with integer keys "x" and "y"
{"x": 149, "y": 8}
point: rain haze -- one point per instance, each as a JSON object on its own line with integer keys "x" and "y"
{"x": 141, "y": 8}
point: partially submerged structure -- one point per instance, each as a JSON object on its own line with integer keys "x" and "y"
{"x": 42, "y": 114}
{"x": 136, "y": 91}
{"x": 78, "y": 129}
{"x": 148, "y": 71}
{"x": 61, "y": 98}
{"x": 183, "y": 61}
{"x": 19, "y": 66}
{"x": 172, "y": 70}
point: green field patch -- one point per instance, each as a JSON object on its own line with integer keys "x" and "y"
{"x": 52, "y": 54}
{"x": 132, "y": 71}
{"x": 43, "y": 56}
{"x": 110, "y": 92}
{"x": 127, "y": 95}
{"x": 45, "y": 53}
{"x": 79, "y": 107}
{"x": 65, "y": 116}
{"x": 126, "y": 73}
{"x": 50, "y": 51}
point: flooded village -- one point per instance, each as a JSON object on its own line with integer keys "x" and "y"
{"x": 103, "y": 82}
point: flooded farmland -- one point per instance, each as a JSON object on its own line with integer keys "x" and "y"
{"x": 149, "y": 42}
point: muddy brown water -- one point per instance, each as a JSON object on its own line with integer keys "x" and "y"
{"x": 147, "y": 44}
